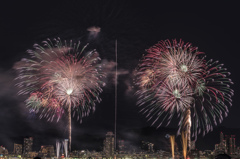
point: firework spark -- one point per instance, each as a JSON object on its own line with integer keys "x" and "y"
{"x": 175, "y": 78}
{"x": 60, "y": 78}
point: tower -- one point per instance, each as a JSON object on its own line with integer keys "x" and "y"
{"x": 108, "y": 145}
{"x": 27, "y": 145}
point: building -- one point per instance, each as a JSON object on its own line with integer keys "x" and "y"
{"x": 221, "y": 148}
{"x": 150, "y": 147}
{"x": 226, "y": 145}
{"x": 221, "y": 137}
{"x": 144, "y": 145}
{"x": 147, "y": 146}
{"x": 32, "y": 154}
{"x": 193, "y": 145}
{"x": 27, "y": 145}
{"x": 17, "y": 149}
{"x": 46, "y": 151}
{"x": 108, "y": 145}
{"x": 194, "y": 154}
{"x": 121, "y": 147}
{"x": 3, "y": 151}
{"x": 234, "y": 144}
{"x": 230, "y": 144}
{"x": 238, "y": 150}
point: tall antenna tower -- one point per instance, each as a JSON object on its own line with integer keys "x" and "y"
{"x": 116, "y": 79}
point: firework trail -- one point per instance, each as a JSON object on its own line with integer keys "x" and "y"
{"x": 184, "y": 144}
{"x": 172, "y": 141}
{"x": 60, "y": 78}
{"x": 174, "y": 78}
{"x": 186, "y": 127}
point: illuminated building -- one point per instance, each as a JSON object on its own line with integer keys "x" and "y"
{"x": 238, "y": 150}
{"x": 193, "y": 145}
{"x": 121, "y": 147}
{"x": 217, "y": 147}
{"x": 3, "y": 150}
{"x": 234, "y": 144}
{"x": 46, "y": 151}
{"x": 230, "y": 143}
{"x": 150, "y": 147}
{"x": 221, "y": 138}
{"x": 221, "y": 148}
{"x": 147, "y": 146}
{"x": 144, "y": 146}
{"x": 226, "y": 146}
{"x": 108, "y": 145}
{"x": 27, "y": 145}
{"x": 222, "y": 144}
{"x": 17, "y": 149}
{"x": 32, "y": 154}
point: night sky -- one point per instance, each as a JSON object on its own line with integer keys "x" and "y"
{"x": 212, "y": 27}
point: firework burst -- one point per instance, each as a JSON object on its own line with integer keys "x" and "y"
{"x": 212, "y": 97}
{"x": 175, "y": 78}
{"x": 61, "y": 77}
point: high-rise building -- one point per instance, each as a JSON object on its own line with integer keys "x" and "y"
{"x": 150, "y": 147}
{"x": 230, "y": 144}
{"x": 121, "y": 147}
{"x": 234, "y": 144}
{"x": 17, "y": 149}
{"x": 217, "y": 147}
{"x": 27, "y": 145}
{"x": 193, "y": 145}
{"x": 221, "y": 137}
{"x": 222, "y": 145}
{"x": 108, "y": 145}
{"x": 227, "y": 143}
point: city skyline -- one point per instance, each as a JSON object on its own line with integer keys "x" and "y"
{"x": 133, "y": 140}
{"x": 137, "y": 26}
{"x": 226, "y": 144}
